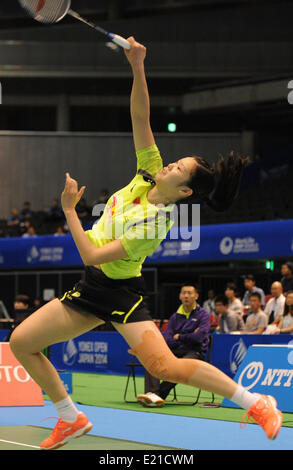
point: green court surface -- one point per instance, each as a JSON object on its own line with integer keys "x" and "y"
{"x": 29, "y": 438}
{"x": 107, "y": 390}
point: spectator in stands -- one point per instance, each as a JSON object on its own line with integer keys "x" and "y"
{"x": 209, "y": 304}
{"x": 235, "y": 304}
{"x": 21, "y": 302}
{"x": 99, "y": 204}
{"x": 22, "y": 310}
{"x": 26, "y": 212}
{"x": 24, "y": 226}
{"x": 257, "y": 321}
{"x": 37, "y": 303}
{"x": 187, "y": 335}
{"x": 275, "y": 306}
{"x": 249, "y": 283}
{"x": 31, "y": 232}
{"x": 214, "y": 321}
{"x": 60, "y": 231}
{"x": 55, "y": 212}
{"x": 228, "y": 321}
{"x": 14, "y": 219}
{"x": 286, "y": 322}
{"x": 83, "y": 211}
{"x": 287, "y": 279}
{"x": 103, "y": 197}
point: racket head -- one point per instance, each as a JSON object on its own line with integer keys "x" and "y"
{"x": 46, "y": 11}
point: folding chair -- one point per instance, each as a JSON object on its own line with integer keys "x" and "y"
{"x": 131, "y": 373}
{"x": 132, "y": 365}
{"x": 175, "y": 401}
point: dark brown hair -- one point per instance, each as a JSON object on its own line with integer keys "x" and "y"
{"x": 217, "y": 185}
{"x": 287, "y": 308}
{"x": 22, "y": 298}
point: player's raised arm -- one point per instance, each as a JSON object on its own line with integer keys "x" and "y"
{"x": 139, "y": 100}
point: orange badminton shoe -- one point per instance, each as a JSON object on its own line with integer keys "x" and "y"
{"x": 64, "y": 431}
{"x": 265, "y": 413}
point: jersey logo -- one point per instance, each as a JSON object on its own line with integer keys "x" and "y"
{"x": 136, "y": 201}
{"x": 146, "y": 176}
{"x": 111, "y": 209}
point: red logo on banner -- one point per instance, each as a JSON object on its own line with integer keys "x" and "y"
{"x": 16, "y": 386}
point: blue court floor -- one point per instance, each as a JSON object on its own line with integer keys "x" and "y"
{"x": 158, "y": 429}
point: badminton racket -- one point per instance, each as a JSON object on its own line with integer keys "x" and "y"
{"x": 53, "y": 11}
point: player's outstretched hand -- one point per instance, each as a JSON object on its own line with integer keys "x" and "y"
{"x": 71, "y": 195}
{"x": 137, "y": 52}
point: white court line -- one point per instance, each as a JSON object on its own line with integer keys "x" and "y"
{"x": 19, "y": 444}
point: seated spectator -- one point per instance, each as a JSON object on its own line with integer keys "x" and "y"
{"x": 214, "y": 321}
{"x": 235, "y": 304}
{"x": 26, "y": 212}
{"x": 31, "y": 232}
{"x": 287, "y": 279}
{"x": 99, "y": 204}
{"x": 55, "y": 212}
{"x": 21, "y": 302}
{"x": 21, "y": 311}
{"x": 60, "y": 231}
{"x": 37, "y": 303}
{"x": 257, "y": 321}
{"x": 228, "y": 321}
{"x": 83, "y": 211}
{"x": 187, "y": 335}
{"x": 275, "y": 306}
{"x": 14, "y": 219}
{"x": 103, "y": 197}
{"x": 24, "y": 226}
{"x": 249, "y": 283}
{"x": 286, "y": 322}
{"x": 209, "y": 304}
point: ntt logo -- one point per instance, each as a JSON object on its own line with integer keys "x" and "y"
{"x": 251, "y": 375}
{"x": 254, "y": 372}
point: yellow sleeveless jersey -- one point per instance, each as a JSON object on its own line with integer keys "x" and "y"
{"x": 129, "y": 216}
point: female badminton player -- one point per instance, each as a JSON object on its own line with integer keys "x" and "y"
{"x": 113, "y": 289}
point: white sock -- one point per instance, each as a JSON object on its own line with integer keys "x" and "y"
{"x": 244, "y": 398}
{"x": 66, "y": 410}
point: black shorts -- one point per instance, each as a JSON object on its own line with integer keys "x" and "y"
{"x": 117, "y": 300}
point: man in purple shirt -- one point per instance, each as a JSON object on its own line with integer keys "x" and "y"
{"x": 187, "y": 335}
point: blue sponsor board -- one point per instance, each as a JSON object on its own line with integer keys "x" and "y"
{"x": 66, "y": 378}
{"x": 268, "y": 369}
{"x": 3, "y": 335}
{"x": 104, "y": 352}
{"x": 45, "y": 250}
{"x": 229, "y": 350}
{"x": 196, "y": 243}
{"x": 227, "y": 242}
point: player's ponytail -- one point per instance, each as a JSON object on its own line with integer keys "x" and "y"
{"x": 218, "y": 185}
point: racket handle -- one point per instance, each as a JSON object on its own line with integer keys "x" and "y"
{"x": 120, "y": 41}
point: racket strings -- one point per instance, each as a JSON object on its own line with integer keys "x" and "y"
{"x": 46, "y": 11}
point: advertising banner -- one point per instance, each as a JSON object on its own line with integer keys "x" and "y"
{"x": 227, "y": 242}
{"x": 229, "y": 350}
{"x": 268, "y": 369}
{"x": 17, "y": 387}
{"x": 196, "y": 243}
{"x": 101, "y": 351}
